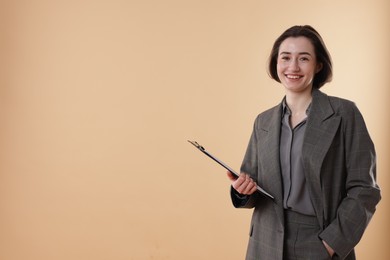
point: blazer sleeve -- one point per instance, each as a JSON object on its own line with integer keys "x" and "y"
{"x": 249, "y": 166}
{"x": 358, "y": 206}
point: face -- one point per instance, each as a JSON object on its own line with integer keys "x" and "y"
{"x": 297, "y": 64}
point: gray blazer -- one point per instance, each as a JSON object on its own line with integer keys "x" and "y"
{"x": 340, "y": 166}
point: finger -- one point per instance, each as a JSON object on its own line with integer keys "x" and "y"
{"x": 239, "y": 184}
{"x": 254, "y": 189}
{"x": 236, "y": 184}
{"x": 231, "y": 176}
{"x": 246, "y": 185}
{"x": 240, "y": 180}
{"x": 249, "y": 187}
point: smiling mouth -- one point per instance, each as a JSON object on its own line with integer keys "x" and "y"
{"x": 293, "y": 76}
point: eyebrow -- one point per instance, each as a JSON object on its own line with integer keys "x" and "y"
{"x": 300, "y": 53}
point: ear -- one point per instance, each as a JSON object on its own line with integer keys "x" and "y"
{"x": 319, "y": 67}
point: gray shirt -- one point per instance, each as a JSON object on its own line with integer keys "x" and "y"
{"x": 295, "y": 189}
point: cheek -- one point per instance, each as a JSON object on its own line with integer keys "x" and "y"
{"x": 279, "y": 69}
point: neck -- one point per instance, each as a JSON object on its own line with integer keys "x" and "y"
{"x": 298, "y": 102}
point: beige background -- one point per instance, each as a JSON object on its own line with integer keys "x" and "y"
{"x": 98, "y": 98}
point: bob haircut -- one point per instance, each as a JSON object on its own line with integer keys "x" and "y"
{"x": 322, "y": 54}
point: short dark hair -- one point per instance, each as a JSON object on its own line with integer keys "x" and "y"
{"x": 322, "y": 54}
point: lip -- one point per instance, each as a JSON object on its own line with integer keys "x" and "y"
{"x": 293, "y": 76}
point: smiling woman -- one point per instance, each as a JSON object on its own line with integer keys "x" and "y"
{"x": 297, "y": 64}
{"x": 98, "y": 98}
{"x": 320, "y": 165}
{"x": 303, "y": 41}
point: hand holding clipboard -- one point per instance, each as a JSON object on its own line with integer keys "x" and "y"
{"x": 203, "y": 150}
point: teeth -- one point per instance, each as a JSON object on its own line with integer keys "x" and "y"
{"x": 293, "y": 77}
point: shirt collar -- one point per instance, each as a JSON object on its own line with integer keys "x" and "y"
{"x": 286, "y": 109}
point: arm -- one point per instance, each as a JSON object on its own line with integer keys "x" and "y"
{"x": 243, "y": 190}
{"x": 356, "y": 209}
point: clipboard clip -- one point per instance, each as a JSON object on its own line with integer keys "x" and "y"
{"x": 197, "y": 145}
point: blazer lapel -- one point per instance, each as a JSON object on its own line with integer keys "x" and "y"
{"x": 269, "y": 154}
{"x": 321, "y": 128}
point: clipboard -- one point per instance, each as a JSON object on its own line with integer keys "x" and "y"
{"x": 224, "y": 165}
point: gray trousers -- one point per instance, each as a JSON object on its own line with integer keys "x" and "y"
{"x": 301, "y": 238}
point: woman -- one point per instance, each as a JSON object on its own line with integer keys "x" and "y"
{"x": 313, "y": 153}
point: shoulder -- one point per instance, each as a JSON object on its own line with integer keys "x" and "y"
{"x": 343, "y": 107}
{"x": 340, "y": 106}
{"x": 351, "y": 117}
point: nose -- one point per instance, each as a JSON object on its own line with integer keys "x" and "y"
{"x": 294, "y": 66}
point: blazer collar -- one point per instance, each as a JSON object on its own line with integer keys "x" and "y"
{"x": 322, "y": 126}
{"x": 321, "y": 106}
{"x": 272, "y": 178}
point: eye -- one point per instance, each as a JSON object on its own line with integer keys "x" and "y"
{"x": 304, "y": 59}
{"x": 285, "y": 58}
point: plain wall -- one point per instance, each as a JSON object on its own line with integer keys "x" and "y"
{"x": 98, "y": 99}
